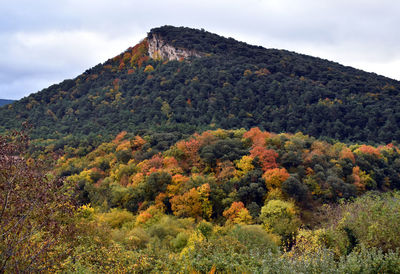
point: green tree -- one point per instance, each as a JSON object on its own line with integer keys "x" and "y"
{"x": 280, "y": 217}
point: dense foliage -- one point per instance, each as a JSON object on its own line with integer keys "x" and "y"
{"x": 233, "y": 85}
{"x": 203, "y": 175}
{"x": 221, "y": 201}
{"x": 115, "y": 241}
{"x": 35, "y": 211}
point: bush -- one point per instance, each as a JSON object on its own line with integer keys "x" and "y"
{"x": 180, "y": 241}
{"x": 222, "y": 254}
{"x": 373, "y": 260}
{"x": 372, "y": 220}
{"x": 116, "y": 218}
{"x": 255, "y": 238}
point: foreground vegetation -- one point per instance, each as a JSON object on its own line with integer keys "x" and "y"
{"x": 223, "y": 201}
{"x": 118, "y": 240}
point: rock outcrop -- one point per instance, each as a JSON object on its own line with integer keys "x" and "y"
{"x": 159, "y": 49}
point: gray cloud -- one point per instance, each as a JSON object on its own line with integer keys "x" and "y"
{"x": 44, "y": 41}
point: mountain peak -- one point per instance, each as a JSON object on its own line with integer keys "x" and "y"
{"x": 159, "y": 48}
{"x": 232, "y": 85}
{"x": 198, "y": 42}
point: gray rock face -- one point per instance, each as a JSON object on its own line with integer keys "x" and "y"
{"x": 159, "y": 49}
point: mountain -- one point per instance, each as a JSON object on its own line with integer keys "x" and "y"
{"x": 180, "y": 80}
{"x": 5, "y": 102}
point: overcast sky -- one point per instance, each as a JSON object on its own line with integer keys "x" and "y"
{"x": 43, "y": 42}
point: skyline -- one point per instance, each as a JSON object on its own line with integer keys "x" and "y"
{"x": 45, "y": 42}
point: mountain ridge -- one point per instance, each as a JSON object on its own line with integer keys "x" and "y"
{"x": 4, "y": 102}
{"x": 232, "y": 85}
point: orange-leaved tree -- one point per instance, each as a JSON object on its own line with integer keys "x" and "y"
{"x": 257, "y": 136}
{"x": 237, "y": 214}
{"x": 267, "y": 157}
{"x": 275, "y": 177}
{"x": 193, "y": 203}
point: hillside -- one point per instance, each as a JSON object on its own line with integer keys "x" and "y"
{"x": 5, "y": 102}
{"x": 182, "y": 80}
{"x": 235, "y": 201}
{"x": 237, "y": 165}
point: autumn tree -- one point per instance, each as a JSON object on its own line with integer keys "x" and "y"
{"x": 361, "y": 179}
{"x": 193, "y": 203}
{"x": 245, "y": 164}
{"x": 177, "y": 184}
{"x": 275, "y": 177}
{"x": 369, "y": 150}
{"x": 189, "y": 149}
{"x": 34, "y": 211}
{"x": 346, "y": 153}
{"x": 237, "y": 214}
{"x": 257, "y": 136}
{"x": 148, "y": 68}
{"x": 267, "y": 157}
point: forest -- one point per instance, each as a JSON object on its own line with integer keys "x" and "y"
{"x": 221, "y": 201}
{"x": 240, "y": 160}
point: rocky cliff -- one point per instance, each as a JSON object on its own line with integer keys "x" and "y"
{"x": 159, "y": 49}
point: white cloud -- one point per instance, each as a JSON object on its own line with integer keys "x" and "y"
{"x": 32, "y": 61}
{"x": 389, "y": 69}
{"x": 55, "y": 40}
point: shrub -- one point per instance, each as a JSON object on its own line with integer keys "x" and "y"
{"x": 372, "y": 220}
{"x": 116, "y": 218}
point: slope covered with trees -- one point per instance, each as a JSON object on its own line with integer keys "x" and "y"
{"x": 233, "y": 85}
{"x": 202, "y": 176}
{"x": 232, "y": 201}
